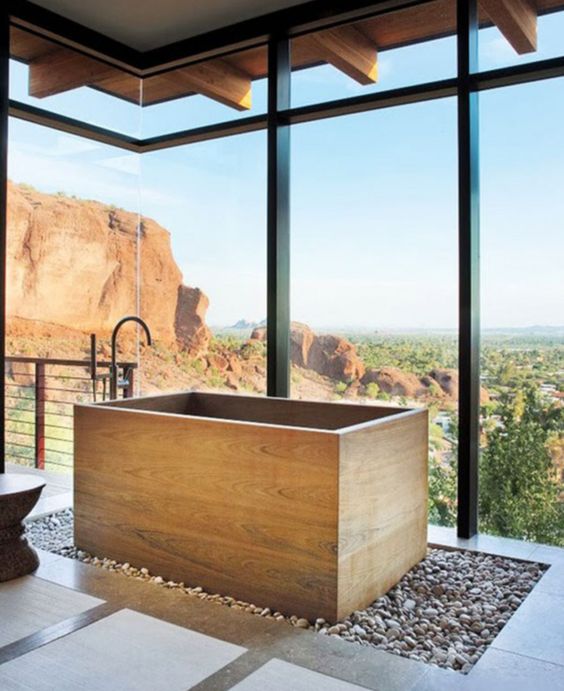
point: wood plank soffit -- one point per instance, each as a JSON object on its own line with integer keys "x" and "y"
{"x": 349, "y": 50}
{"x": 516, "y": 20}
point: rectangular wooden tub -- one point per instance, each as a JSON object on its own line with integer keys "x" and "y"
{"x": 314, "y": 509}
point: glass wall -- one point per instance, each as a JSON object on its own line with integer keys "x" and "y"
{"x": 374, "y": 269}
{"x": 72, "y": 270}
{"x": 206, "y": 204}
{"x": 81, "y": 255}
{"x": 178, "y": 236}
{"x": 522, "y": 236}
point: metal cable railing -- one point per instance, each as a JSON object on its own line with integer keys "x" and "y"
{"x": 39, "y": 398}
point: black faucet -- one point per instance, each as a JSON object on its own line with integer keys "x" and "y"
{"x": 114, "y": 373}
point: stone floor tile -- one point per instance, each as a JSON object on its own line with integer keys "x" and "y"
{"x": 552, "y": 581}
{"x": 29, "y": 604}
{"x": 548, "y": 554}
{"x": 277, "y": 675}
{"x": 536, "y": 629}
{"x": 126, "y": 651}
{"x": 499, "y": 670}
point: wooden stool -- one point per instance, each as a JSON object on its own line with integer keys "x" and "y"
{"x": 18, "y": 496}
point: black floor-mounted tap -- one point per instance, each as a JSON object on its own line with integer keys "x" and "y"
{"x": 114, "y": 373}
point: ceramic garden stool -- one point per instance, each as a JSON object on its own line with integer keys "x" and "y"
{"x": 18, "y": 496}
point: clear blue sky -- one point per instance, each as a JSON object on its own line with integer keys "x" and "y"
{"x": 374, "y": 196}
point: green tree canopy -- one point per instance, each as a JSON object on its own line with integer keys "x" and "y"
{"x": 519, "y": 495}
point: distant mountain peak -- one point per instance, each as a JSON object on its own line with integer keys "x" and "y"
{"x": 244, "y": 324}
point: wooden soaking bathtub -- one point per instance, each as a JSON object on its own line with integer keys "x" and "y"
{"x": 314, "y": 509}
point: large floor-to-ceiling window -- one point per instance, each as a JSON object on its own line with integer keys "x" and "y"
{"x": 522, "y": 356}
{"x": 374, "y": 268}
{"x": 177, "y": 194}
{"x": 73, "y": 238}
{"x": 374, "y": 200}
{"x": 211, "y": 198}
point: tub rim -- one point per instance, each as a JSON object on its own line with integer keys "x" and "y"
{"x": 121, "y": 405}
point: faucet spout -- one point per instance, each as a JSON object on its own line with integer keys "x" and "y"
{"x": 114, "y": 367}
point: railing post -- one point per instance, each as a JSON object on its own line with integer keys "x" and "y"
{"x": 40, "y": 397}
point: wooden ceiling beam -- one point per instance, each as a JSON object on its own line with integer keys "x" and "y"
{"x": 123, "y": 85}
{"x": 62, "y": 70}
{"x": 217, "y": 79}
{"x": 516, "y": 20}
{"x": 347, "y": 49}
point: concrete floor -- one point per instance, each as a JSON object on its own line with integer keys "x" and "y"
{"x": 79, "y": 627}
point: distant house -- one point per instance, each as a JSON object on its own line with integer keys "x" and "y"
{"x": 443, "y": 420}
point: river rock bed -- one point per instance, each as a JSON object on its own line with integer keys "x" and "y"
{"x": 445, "y": 611}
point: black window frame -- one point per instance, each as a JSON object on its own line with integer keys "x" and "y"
{"x": 275, "y": 31}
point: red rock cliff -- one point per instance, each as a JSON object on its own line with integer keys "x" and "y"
{"x": 331, "y": 356}
{"x": 75, "y": 263}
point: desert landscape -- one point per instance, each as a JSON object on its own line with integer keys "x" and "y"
{"x": 76, "y": 266}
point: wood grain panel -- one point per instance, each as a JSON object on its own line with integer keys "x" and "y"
{"x": 217, "y": 79}
{"x": 245, "y": 510}
{"x": 347, "y": 49}
{"x": 272, "y": 411}
{"x": 382, "y": 506}
{"x": 176, "y": 403}
{"x": 309, "y": 521}
{"x": 516, "y": 20}
{"x": 63, "y": 70}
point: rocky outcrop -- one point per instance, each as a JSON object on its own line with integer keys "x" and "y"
{"x": 330, "y": 356}
{"x": 304, "y": 351}
{"x": 337, "y": 358}
{"x": 448, "y": 380}
{"x": 258, "y": 334}
{"x": 245, "y": 324}
{"x": 76, "y": 263}
{"x": 442, "y": 383}
{"x": 395, "y": 382}
{"x": 190, "y": 320}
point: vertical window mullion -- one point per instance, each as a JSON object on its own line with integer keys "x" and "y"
{"x": 278, "y": 220}
{"x": 4, "y": 97}
{"x": 469, "y": 270}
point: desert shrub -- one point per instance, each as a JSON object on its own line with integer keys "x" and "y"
{"x": 197, "y": 366}
{"x": 252, "y": 349}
